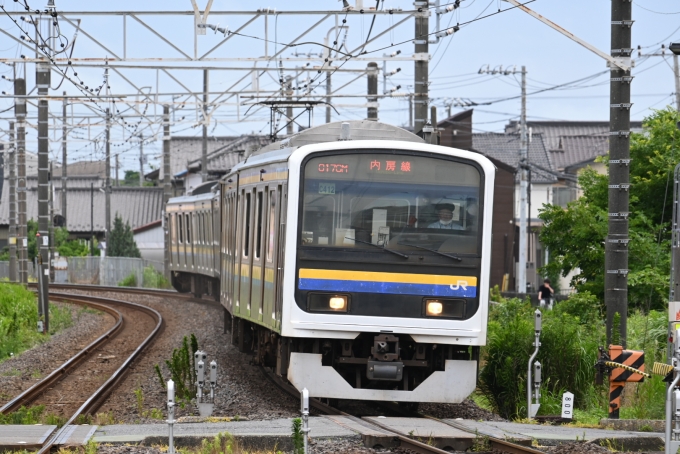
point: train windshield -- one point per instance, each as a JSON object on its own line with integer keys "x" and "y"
{"x": 391, "y": 200}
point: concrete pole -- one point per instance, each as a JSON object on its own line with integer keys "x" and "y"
{"x": 64, "y": 162}
{"x": 141, "y": 159}
{"x": 51, "y": 217}
{"x": 523, "y": 191}
{"x": 676, "y": 70}
{"x": 421, "y": 83}
{"x": 13, "y": 274}
{"x": 616, "y": 245}
{"x": 20, "y": 114}
{"x": 290, "y": 130}
{"x": 43, "y": 82}
{"x": 117, "y": 167}
{"x": 204, "y": 155}
{"x": 167, "y": 187}
{"x": 372, "y": 72}
{"x": 107, "y": 181}
{"x": 328, "y": 97}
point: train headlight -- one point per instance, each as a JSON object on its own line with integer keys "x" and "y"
{"x": 328, "y": 302}
{"x": 433, "y": 307}
{"x": 338, "y": 303}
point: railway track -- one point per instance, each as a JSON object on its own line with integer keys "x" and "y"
{"x": 495, "y": 444}
{"x": 122, "y": 336}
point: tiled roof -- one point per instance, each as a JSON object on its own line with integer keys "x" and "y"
{"x": 184, "y": 150}
{"x": 223, "y": 159}
{"x": 83, "y": 168}
{"x": 505, "y": 148}
{"x": 137, "y": 205}
{"x": 576, "y": 149}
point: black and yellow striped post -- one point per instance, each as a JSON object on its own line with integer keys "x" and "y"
{"x": 627, "y": 366}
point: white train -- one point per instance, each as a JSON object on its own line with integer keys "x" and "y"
{"x": 352, "y": 257}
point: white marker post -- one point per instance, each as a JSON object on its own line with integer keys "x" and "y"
{"x": 304, "y": 395}
{"x": 171, "y": 415}
{"x": 567, "y": 405}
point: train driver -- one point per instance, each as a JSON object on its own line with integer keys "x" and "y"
{"x": 445, "y": 214}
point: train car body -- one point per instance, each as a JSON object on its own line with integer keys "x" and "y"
{"x": 193, "y": 224}
{"x": 339, "y": 271}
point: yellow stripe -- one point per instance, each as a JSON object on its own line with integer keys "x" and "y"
{"x": 307, "y": 273}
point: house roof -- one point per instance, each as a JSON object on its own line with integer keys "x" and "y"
{"x": 223, "y": 159}
{"x": 83, "y": 168}
{"x": 505, "y": 148}
{"x": 578, "y": 149}
{"x": 137, "y": 205}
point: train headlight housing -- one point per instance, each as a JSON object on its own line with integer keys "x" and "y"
{"x": 328, "y": 302}
{"x": 444, "y": 308}
{"x": 433, "y": 308}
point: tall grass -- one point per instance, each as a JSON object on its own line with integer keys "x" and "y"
{"x": 18, "y": 320}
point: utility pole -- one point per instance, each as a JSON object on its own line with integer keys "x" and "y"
{"x": 372, "y": 72}
{"x": 117, "y": 181}
{"x": 167, "y": 188}
{"x": 64, "y": 168}
{"x": 107, "y": 181}
{"x": 204, "y": 155}
{"x": 51, "y": 224}
{"x": 676, "y": 72}
{"x": 141, "y": 159}
{"x": 421, "y": 83}
{"x": 328, "y": 97}
{"x": 91, "y": 219}
{"x": 12, "y": 206}
{"x": 289, "y": 110}
{"x": 523, "y": 190}
{"x": 616, "y": 246}
{"x": 20, "y": 113}
{"x": 42, "y": 77}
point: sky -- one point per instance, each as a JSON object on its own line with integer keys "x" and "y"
{"x": 509, "y": 38}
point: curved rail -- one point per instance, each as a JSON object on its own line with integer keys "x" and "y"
{"x": 93, "y": 402}
{"x": 31, "y": 393}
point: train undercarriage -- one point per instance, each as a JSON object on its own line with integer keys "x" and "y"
{"x": 196, "y": 284}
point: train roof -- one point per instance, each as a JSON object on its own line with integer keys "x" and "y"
{"x": 326, "y": 133}
{"x": 191, "y": 198}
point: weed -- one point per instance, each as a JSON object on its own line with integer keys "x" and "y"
{"x": 61, "y": 317}
{"x": 83, "y": 420}
{"x": 237, "y": 418}
{"x": 480, "y": 443}
{"x": 129, "y": 281}
{"x": 222, "y": 443}
{"x": 646, "y": 428}
{"x": 153, "y": 279}
{"x": 297, "y": 436}
{"x": 156, "y": 413}
{"x": 13, "y": 372}
{"x": 139, "y": 394}
{"x": 104, "y": 419}
{"x": 36, "y": 374}
{"x": 181, "y": 370}
{"x": 24, "y": 415}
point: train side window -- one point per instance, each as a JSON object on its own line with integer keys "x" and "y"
{"x": 272, "y": 226}
{"x": 246, "y": 226}
{"x": 188, "y": 223}
{"x": 180, "y": 228}
{"x": 258, "y": 238}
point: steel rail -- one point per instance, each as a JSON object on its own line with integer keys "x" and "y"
{"x": 132, "y": 290}
{"x": 97, "y": 398}
{"x": 34, "y": 391}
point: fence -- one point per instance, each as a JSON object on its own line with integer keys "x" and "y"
{"x": 4, "y": 271}
{"x": 109, "y": 271}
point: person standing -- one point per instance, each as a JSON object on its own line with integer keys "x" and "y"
{"x": 545, "y": 294}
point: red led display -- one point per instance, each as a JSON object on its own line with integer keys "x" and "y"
{"x": 390, "y": 166}
{"x": 333, "y": 168}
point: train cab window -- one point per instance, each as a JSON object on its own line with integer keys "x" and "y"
{"x": 360, "y": 201}
{"x": 258, "y": 231}
{"x": 272, "y": 226}
{"x": 180, "y": 228}
{"x": 246, "y": 226}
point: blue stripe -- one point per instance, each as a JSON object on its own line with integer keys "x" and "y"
{"x": 330, "y": 285}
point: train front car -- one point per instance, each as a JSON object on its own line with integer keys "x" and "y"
{"x": 390, "y": 246}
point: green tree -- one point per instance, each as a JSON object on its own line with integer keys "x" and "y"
{"x": 122, "y": 242}
{"x": 576, "y": 236}
{"x": 131, "y": 178}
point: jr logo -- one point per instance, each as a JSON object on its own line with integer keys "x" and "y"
{"x": 459, "y": 285}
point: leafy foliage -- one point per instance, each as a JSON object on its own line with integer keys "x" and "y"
{"x": 129, "y": 281}
{"x": 576, "y": 236}
{"x": 18, "y": 319}
{"x": 181, "y": 369}
{"x": 122, "y": 242}
{"x": 569, "y": 340}
{"x": 297, "y": 436}
{"x": 154, "y": 279}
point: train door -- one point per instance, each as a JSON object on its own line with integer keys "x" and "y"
{"x": 225, "y": 235}
{"x": 273, "y": 208}
{"x": 246, "y": 238}
{"x": 280, "y": 254}
{"x": 215, "y": 234}
{"x": 257, "y": 270}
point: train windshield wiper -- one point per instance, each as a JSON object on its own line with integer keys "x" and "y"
{"x": 379, "y": 247}
{"x": 454, "y": 257}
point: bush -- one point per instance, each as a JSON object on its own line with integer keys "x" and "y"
{"x": 154, "y": 279}
{"x": 181, "y": 367}
{"x": 18, "y": 319}
{"x": 569, "y": 340}
{"x": 129, "y": 281}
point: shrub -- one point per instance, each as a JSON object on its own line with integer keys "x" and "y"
{"x": 181, "y": 367}
{"x": 18, "y": 319}
{"x": 567, "y": 354}
{"x": 129, "y": 281}
{"x": 154, "y": 279}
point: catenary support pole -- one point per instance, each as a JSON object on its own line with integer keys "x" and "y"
{"x": 204, "y": 154}
{"x": 676, "y": 71}
{"x": 290, "y": 130}
{"x": 372, "y": 91}
{"x": 167, "y": 188}
{"x": 141, "y": 159}
{"x": 43, "y": 82}
{"x": 12, "y": 155}
{"x": 421, "y": 82}
{"x": 64, "y": 161}
{"x": 91, "y": 219}
{"x": 22, "y": 240}
{"x": 523, "y": 191}
{"x": 107, "y": 179}
{"x": 616, "y": 245}
{"x": 51, "y": 222}
{"x": 328, "y": 97}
